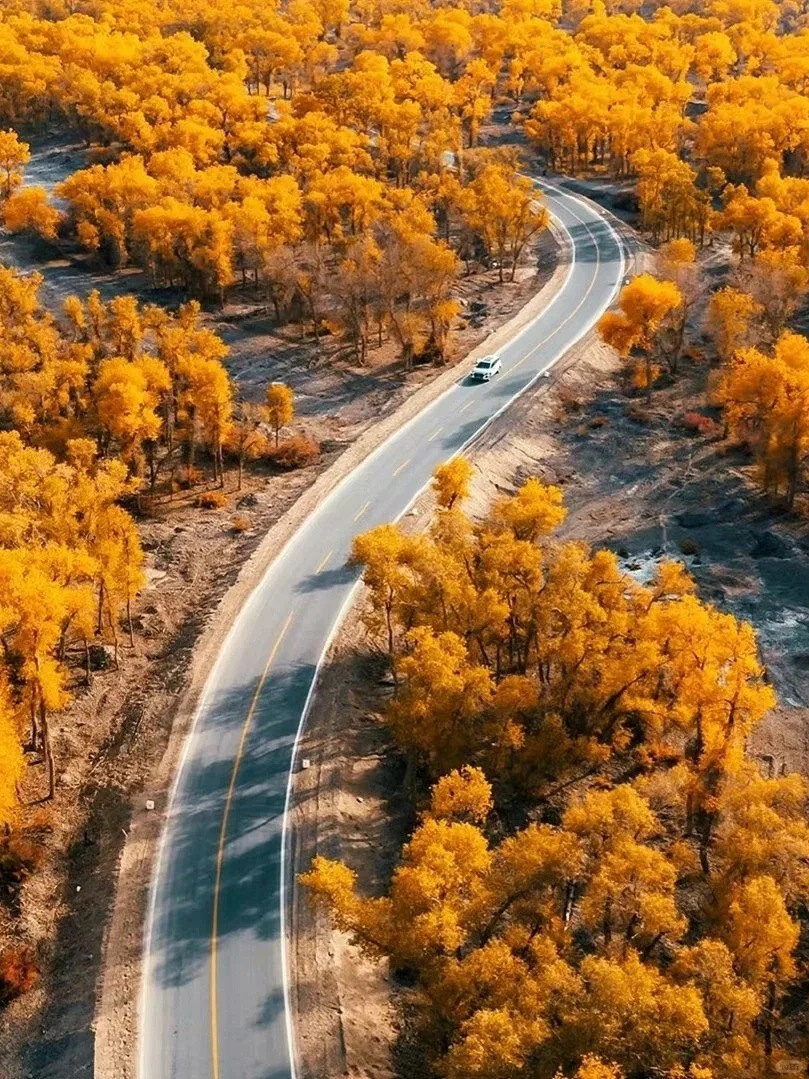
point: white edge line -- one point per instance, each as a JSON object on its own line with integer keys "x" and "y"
{"x": 341, "y": 614}
{"x": 210, "y": 680}
{"x": 253, "y": 598}
{"x": 350, "y": 597}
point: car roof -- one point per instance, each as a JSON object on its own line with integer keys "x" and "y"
{"x": 487, "y": 361}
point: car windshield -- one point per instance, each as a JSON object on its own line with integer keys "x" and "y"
{"x": 486, "y": 363}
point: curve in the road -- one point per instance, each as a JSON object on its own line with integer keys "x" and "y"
{"x": 215, "y": 997}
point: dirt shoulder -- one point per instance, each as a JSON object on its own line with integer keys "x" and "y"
{"x": 84, "y": 908}
{"x": 336, "y": 399}
{"x": 634, "y": 481}
{"x": 637, "y": 482}
{"x": 116, "y": 1020}
{"x": 116, "y": 742}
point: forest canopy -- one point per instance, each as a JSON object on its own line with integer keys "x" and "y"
{"x": 642, "y": 919}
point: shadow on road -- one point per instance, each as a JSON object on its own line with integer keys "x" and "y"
{"x": 250, "y": 870}
{"x": 328, "y": 578}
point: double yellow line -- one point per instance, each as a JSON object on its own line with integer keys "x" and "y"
{"x": 220, "y": 851}
{"x": 259, "y": 687}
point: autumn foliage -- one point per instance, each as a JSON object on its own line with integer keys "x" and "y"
{"x": 572, "y": 945}
{"x": 324, "y": 158}
{"x": 100, "y": 404}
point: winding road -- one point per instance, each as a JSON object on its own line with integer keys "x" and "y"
{"x": 215, "y": 993}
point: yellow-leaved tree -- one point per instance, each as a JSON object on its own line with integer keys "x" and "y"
{"x": 645, "y": 305}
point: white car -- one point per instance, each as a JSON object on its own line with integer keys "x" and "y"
{"x": 486, "y": 368}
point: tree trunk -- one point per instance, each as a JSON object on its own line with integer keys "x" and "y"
{"x": 46, "y": 743}
{"x": 769, "y": 1012}
{"x": 100, "y": 611}
{"x": 34, "y": 726}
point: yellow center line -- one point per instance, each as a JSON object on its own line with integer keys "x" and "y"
{"x": 254, "y": 702}
{"x": 362, "y": 511}
{"x": 220, "y": 852}
{"x": 571, "y": 316}
{"x": 435, "y": 434}
{"x": 324, "y": 561}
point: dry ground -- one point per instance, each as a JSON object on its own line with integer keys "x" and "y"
{"x": 335, "y": 399}
{"x": 116, "y": 746}
{"x": 644, "y": 488}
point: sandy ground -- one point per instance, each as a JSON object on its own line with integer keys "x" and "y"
{"x": 116, "y": 1015}
{"x": 117, "y": 745}
{"x": 336, "y": 400}
{"x": 347, "y": 1023}
{"x": 645, "y": 489}
{"x": 649, "y": 490}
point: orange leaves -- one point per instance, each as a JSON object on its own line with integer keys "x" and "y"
{"x": 546, "y": 945}
{"x": 280, "y": 403}
{"x": 646, "y": 305}
{"x": 757, "y": 222}
{"x": 462, "y": 795}
{"x": 534, "y": 511}
{"x": 766, "y": 400}
{"x": 671, "y": 204}
{"x": 127, "y": 375}
{"x": 451, "y": 482}
{"x": 761, "y": 934}
{"x": 111, "y": 378}
{"x": 441, "y": 698}
{"x": 126, "y": 402}
{"x": 14, "y": 155}
{"x": 205, "y": 405}
{"x": 486, "y": 928}
{"x": 18, "y": 973}
{"x": 731, "y": 316}
{"x": 12, "y": 762}
{"x": 69, "y": 559}
{"x": 493, "y": 1044}
{"x": 763, "y": 832}
{"x": 629, "y": 1012}
{"x": 506, "y": 210}
{"x": 530, "y": 658}
{"x": 29, "y": 210}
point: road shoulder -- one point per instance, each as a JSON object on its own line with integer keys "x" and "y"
{"x": 116, "y": 1018}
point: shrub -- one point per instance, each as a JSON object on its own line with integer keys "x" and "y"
{"x": 296, "y": 452}
{"x": 641, "y": 377}
{"x": 240, "y": 523}
{"x": 697, "y": 424}
{"x": 19, "y": 857}
{"x": 212, "y": 500}
{"x": 687, "y": 546}
{"x": 189, "y": 477}
{"x": 18, "y": 973}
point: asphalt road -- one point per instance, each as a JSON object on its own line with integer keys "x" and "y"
{"x": 214, "y": 1000}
